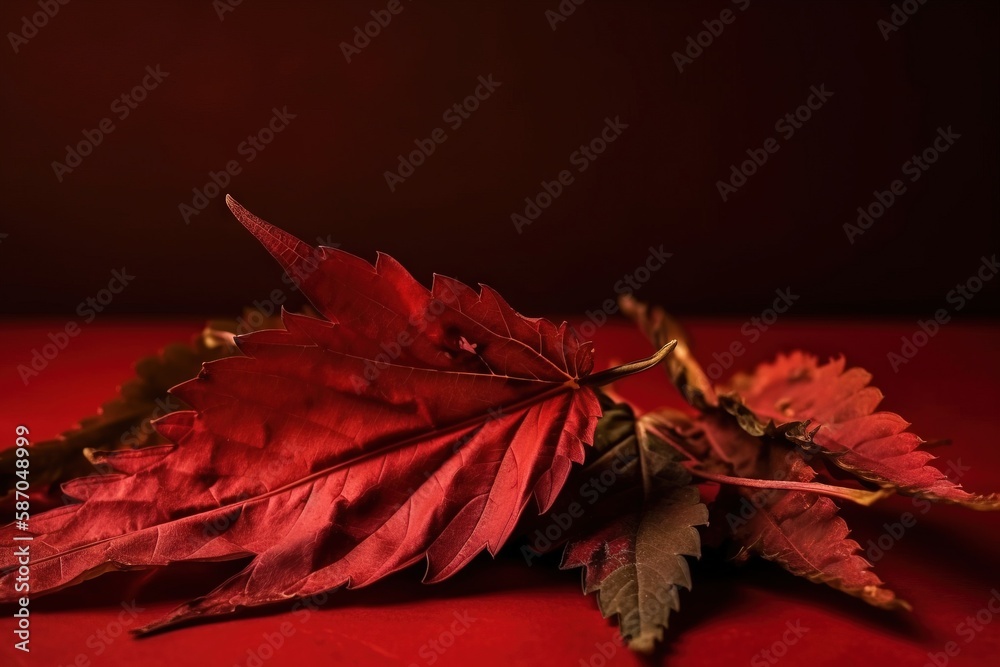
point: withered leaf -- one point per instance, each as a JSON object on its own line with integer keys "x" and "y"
{"x": 635, "y": 559}
{"x": 123, "y": 422}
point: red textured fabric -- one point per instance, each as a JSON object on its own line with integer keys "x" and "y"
{"x": 507, "y": 613}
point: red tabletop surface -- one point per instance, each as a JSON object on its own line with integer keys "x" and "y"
{"x": 503, "y": 612}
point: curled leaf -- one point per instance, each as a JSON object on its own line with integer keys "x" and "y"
{"x": 684, "y": 371}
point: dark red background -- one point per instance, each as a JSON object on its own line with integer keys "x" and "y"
{"x": 324, "y": 174}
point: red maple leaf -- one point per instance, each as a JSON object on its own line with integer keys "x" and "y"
{"x": 412, "y": 425}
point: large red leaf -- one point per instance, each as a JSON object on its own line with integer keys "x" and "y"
{"x": 841, "y": 408}
{"x": 413, "y": 425}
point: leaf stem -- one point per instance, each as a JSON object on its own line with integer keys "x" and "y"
{"x": 859, "y": 496}
{"x": 618, "y": 372}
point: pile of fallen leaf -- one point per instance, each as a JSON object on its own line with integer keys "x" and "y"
{"x": 398, "y": 425}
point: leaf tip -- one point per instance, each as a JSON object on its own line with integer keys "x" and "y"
{"x": 644, "y": 642}
{"x": 619, "y": 372}
{"x": 237, "y": 208}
